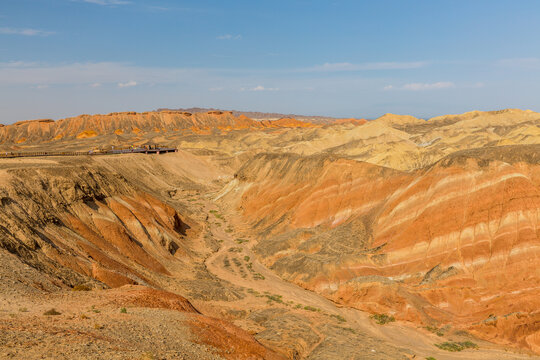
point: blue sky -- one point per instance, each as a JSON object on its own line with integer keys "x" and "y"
{"x": 61, "y": 58}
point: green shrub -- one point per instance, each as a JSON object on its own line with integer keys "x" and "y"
{"x": 258, "y": 276}
{"x": 339, "y": 317}
{"x": 123, "y": 310}
{"x": 382, "y": 319}
{"x": 456, "y": 346}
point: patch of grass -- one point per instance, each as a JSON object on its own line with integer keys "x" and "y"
{"x": 258, "y": 276}
{"x": 52, "y": 312}
{"x": 430, "y": 358}
{"x": 123, "y": 310}
{"x": 236, "y": 249}
{"x": 241, "y": 241}
{"x": 382, "y": 319}
{"x": 349, "y": 330}
{"x": 246, "y": 258}
{"x": 276, "y": 298}
{"x": 311, "y": 308}
{"x": 226, "y": 262}
{"x": 456, "y": 346}
{"x": 338, "y": 317}
{"x": 435, "y": 330}
{"x": 228, "y": 230}
{"x": 216, "y": 214}
{"x": 81, "y": 287}
{"x": 23, "y": 309}
{"x": 298, "y": 306}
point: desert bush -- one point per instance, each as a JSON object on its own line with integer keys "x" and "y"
{"x": 123, "y": 310}
{"x": 339, "y": 317}
{"x": 52, "y": 312}
{"x": 382, "y": 319}
{"x": 456, "y": 346}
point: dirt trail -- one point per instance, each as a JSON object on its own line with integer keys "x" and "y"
{"x": 401, "y": 335}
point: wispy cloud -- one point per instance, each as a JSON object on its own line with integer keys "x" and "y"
{"x": 25, "y": 31}
{"x": 229, "y": 37}
{"x": 31, "y": 73}
{"x": 259, "y": 88}
{"x": 524, "y": 63}
{"x": 347, "y": 66}
{"x": 127, "y": 84}
{"x": 422, "y": 86}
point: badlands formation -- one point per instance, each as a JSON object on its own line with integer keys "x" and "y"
{"x": 272, "y": 239}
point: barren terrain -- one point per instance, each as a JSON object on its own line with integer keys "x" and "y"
{"x": 396, "y": 238}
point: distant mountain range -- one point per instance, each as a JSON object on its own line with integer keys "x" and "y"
{"x": 255, "y": 115}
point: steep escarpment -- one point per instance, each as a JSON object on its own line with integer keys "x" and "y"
{"x": 80, "y": 224}
{"x": 134, "y": 124}
{"x": 454, "y": 244}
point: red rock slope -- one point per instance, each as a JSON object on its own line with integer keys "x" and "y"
{"x": 84, "y": 126}
{"x": 457, "y": 243}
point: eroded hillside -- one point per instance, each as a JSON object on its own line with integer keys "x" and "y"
{"x": 273, "y": 239}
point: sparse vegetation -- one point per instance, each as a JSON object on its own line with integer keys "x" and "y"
{"x": 258, "y": 276}
{"x": 338, "y": 317}
{"x": 23, "y": 309}
{"x": 430, "y": 358}
{"x": 216, "y": 214}
{"x": 52, "y": 312}
{"x": 351, "y": 330}
{"x": 84, "y": 317}
{"x": 236, "y": 249}
{"x": 123, "y": 310}
{"x": 246, "y": 258}
{"x": 435, "y": 330}
{"x": 241, "y": 241}
{"x": 382, "y": 319}
{"x": 311, "y": 308}
{"x": 456, "y": 346}
{"x": 275, "y": 298}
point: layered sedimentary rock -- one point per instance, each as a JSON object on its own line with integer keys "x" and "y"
{"x": 76, "y": 223}
{"x": 456, "y": 243}
{"x": 84, "y": 126}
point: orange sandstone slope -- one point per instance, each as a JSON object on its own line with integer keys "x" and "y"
{"x": 125, "y": 123}
{"x": 454, "y": 244}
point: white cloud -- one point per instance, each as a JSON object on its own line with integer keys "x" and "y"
{"x": 229, "y": 37}
{"x": 25, "y": 32}
{"x": 346, "y": 66}
{"x": 259, "y": 88}
{"x": 422, "y": 86}
{"x": 127, "y": 84}
{"x": 95, "y": 85}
